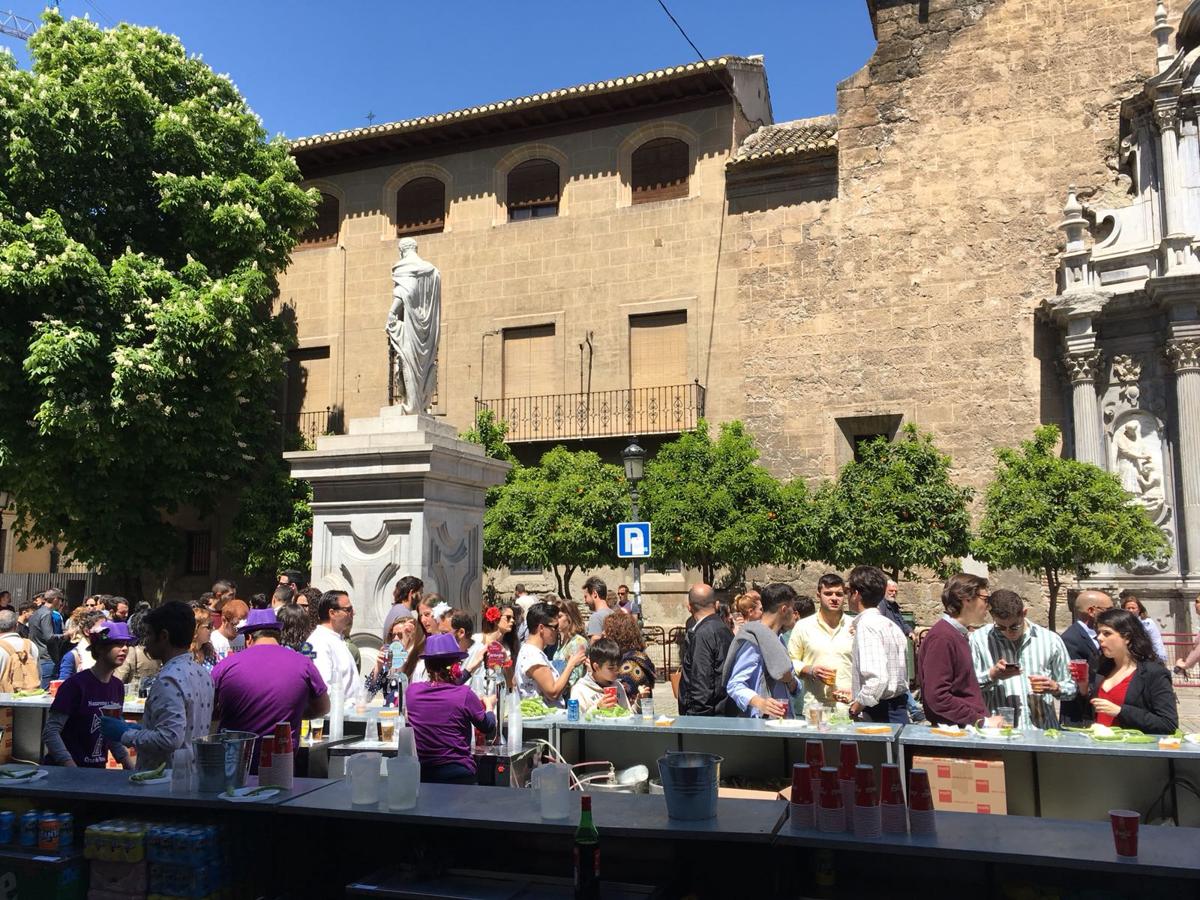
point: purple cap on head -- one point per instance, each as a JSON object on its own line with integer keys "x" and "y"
{"x": 258, "y": 619}
{"x": 442, "y": 646}
{"x": 110, "y": 633}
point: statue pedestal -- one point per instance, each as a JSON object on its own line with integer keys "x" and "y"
{"x": 397, "y": 495}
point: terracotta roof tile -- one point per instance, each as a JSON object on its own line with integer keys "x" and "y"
{"x": 798, "y": 138}
{"x": 592, "y": 88}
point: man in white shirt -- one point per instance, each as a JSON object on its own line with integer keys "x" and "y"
{"x": 335, "y": 613}
{"x": 535, "y": 673}
{"x": 878, "y": 660}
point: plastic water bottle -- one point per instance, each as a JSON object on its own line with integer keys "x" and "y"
{"x": 337, "y": 713}
{"x": 648, "y": 708}
{"x": 515, "y": 737}
{"x": 181, "y": 771}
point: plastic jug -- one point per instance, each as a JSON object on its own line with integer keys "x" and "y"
{"x": 552, "y": 783}
{"x": 337, "y": 712}
{"x": 515, "y": 736}
{"x": 363, "y": 772}
{"x": 403, "y": 781}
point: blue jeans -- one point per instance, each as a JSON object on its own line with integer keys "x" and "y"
{"x": 893, "y": 711}
{"x": 448, "y": 773}
{"x": 46, "y": 669}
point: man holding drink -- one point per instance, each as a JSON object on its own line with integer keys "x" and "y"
{"x": 821, "y": 645}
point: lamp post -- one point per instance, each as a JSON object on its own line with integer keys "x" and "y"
{"x": 634, "y": 458}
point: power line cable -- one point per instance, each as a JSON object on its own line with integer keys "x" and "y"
{"x": 99, "y": 12}
{"x": 675, "y": 22}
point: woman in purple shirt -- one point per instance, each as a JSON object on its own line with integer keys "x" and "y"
{"x": 442, "y": 713}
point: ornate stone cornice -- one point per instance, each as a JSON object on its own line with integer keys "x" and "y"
{"x": 1083, "y": 367}
{"x": 1166, "y": 113}
{"x": 1184, "y": 354}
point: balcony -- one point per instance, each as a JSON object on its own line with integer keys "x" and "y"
{"x": 599, "y": 414}
{"x": 309, "y": 425}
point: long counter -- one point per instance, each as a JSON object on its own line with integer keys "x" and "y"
{"x": 501, "y": 828}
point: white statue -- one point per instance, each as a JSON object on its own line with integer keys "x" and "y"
{"x": 1137, "y": 468}
{"x": 413, "y": 327}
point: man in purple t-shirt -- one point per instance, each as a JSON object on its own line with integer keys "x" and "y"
{"x": 266, "y": 683}
{"x": 72, "y": 734}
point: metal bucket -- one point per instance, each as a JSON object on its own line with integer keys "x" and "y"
{"x": 690, "y": 783}
{"x": 223, "y": 760}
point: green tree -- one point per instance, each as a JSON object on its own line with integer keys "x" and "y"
{"x": 1052, "y": 517}
{"x": 895, "y": 508}
{"x": 144, "y": 216}
{"x": 560, "y": 514}
{"x": 710, "y": 504}
{"x": 272, "y": 530}
{"x": 799, "y": 524}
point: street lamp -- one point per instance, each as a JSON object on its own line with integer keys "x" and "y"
{"x": 634, "y": 458}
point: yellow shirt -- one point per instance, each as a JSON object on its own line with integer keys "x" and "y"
{"x": 813, "y": 643}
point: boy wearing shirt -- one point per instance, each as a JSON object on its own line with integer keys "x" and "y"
{"x": 604, "y": 664}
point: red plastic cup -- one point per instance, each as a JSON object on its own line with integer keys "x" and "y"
{"x": 920, "y": 797}
{"x": 802, "y": 786}
{"x": 864, "y": 786}
{"x": 611, "y": 692}
{"x": 849, "y": 760}
{"x": 892, "y": 793}
{"x": 1079, "y": 669}
{"x": 831, "y": 791}
{"x": 54, "y": 686}
{"x": 265, "y": 754}
{"x": 814, "y": 754}
{"x": 1125, "y": 831}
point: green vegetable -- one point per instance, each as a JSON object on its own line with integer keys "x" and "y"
{"x": 613, "y": 712}
{"x": 18, "y": 774}
{"x": 1007, "y": 731}
{"x": 1140, "y": 739}
{"x": 1051, "y": 733}
{"x": 36, "y": 692}
{"x": 534, "y": 706}
{"x": 150, "y": 775}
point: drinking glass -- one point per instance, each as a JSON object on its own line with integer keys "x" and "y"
{"x": 1008, "y": 714}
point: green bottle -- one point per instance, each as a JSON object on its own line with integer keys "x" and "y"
{"x": 587, "y": 853}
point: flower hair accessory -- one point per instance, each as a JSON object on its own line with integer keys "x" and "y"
{"x": 492, "y": 614}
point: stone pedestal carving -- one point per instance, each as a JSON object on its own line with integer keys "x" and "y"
{"x": 397, "y": 495}
{"x": 1185, "y": 359}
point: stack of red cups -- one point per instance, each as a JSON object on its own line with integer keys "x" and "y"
{"x": 867, "y": 822}
{"x": 831, "y": 815}
{"x": 920, "y": 803}
{"x": 846, "y": 772}
{"x": 803, "y": 813}
{"x": 814, "y": 755}
{"x": 893, "y": 812}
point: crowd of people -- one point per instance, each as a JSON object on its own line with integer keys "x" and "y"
{"x": 777, "y": 654}
{"x": 225, "y": 663}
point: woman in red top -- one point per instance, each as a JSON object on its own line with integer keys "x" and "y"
{"x": 1135, "y": 688}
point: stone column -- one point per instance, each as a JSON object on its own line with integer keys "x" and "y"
{"x": 1184, "y": 355}
{"x": 1168, "y": 126}
{"x": 1085, "y": 406}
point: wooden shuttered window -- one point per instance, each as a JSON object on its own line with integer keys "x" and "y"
{"x": 529, "y": 369}
{"x": 421, "y": 207}
{"x": 198, "y": 557}
{"x": 533, "y": 190}
{"x": 658, "y": 350}
{"x": 660, "y": 170}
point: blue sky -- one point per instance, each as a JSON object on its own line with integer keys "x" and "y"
{"x": 308, "y": 67}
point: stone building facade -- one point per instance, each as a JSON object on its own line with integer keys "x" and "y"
{"x": 823, "y": 280}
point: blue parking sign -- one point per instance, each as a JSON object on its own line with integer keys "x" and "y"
{"x": 633, "y": 540}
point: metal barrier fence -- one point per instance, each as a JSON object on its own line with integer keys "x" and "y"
{"x": 76, "y": 585}
{"x": 1179, "y": 644}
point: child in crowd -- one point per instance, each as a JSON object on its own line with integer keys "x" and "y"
{"x": 604, "y": 664}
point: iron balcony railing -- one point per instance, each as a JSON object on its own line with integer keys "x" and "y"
{"x": 621, "y": 413}
{"x": 311, "y": 424}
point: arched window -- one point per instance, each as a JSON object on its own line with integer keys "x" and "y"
{"x": 329, "y": 220}
{"x": 533, "y": 190}
{"x": 421, "y": 207}
{"x": 660, "y": 170}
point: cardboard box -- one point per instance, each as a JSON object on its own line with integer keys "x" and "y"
{"x": 6, "y": 739}
{"x": 965, "y": 785}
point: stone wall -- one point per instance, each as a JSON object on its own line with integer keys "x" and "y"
{"x": 913, "y": 292}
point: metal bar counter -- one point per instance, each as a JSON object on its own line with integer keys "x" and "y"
{"x": 1072, "y": 776}
{"x": 750, "y": 748}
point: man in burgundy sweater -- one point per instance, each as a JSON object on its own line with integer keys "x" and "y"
{"x": 950, "y": 690}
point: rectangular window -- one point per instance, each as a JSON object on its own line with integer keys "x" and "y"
{"x": 199, "y": 550}
{"x": 530, "y": 369}
{"x": 308, "y": 391}
{"x": 658, "y": 354}
{"x": 521, "y": 569}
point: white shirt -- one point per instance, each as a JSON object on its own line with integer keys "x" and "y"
{"x": 879, "y": 660}
{"x": 178, "y": 710}
{"x": 220, "y": 644}
{"x": 529, "y": 658}
{"x": 336, "y": 665}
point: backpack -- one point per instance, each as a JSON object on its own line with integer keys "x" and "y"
{"x": 21, "y": 673}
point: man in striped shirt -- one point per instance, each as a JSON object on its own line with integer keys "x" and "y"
{"x": 1021, "y": 664}
{"x": 879, "y": 663}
